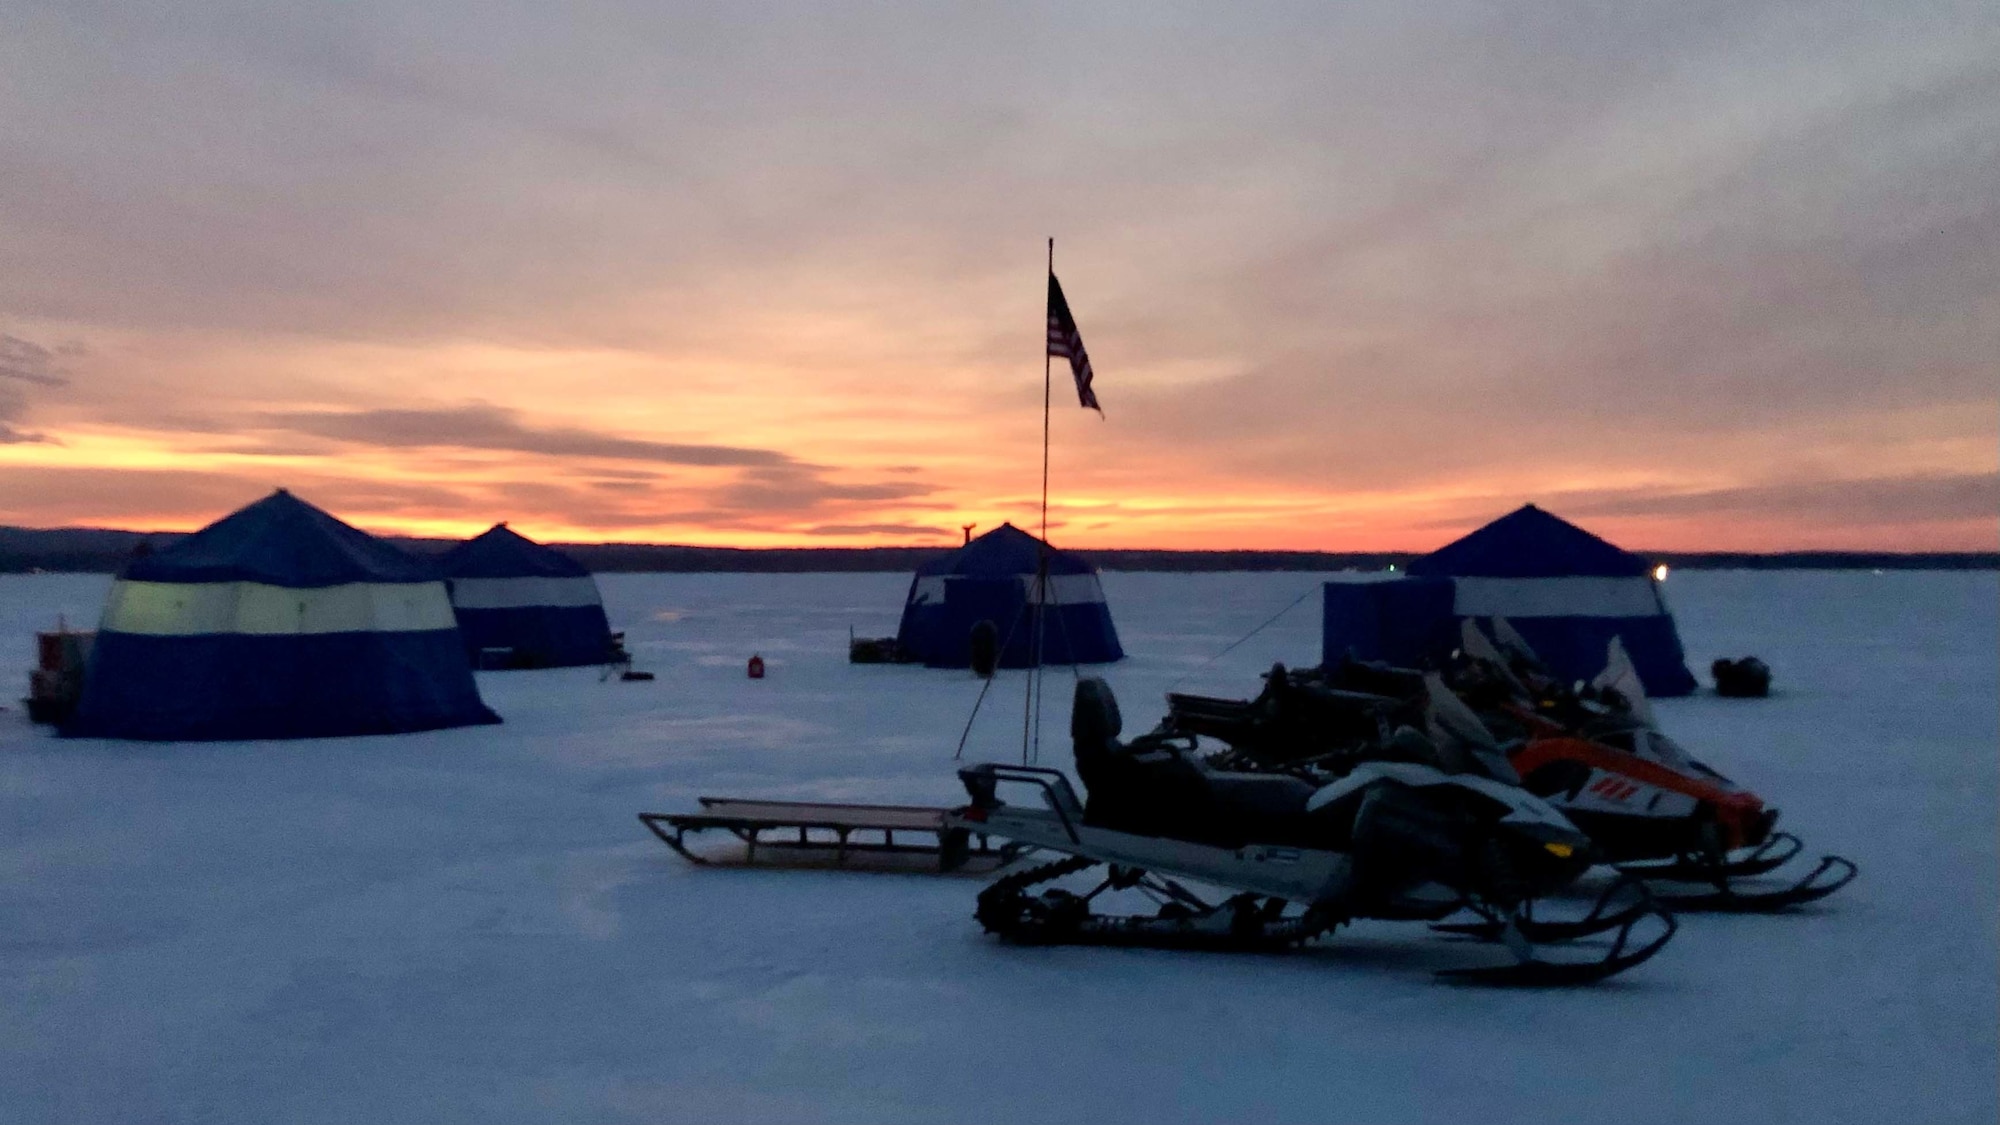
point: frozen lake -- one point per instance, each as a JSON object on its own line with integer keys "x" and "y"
{"x": 470, "y": 925}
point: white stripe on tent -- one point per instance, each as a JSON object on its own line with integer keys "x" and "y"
{"x": 1576, "y": 596}
{"x": 513, "y": 593}
{"x": 1067, "y": 589}
{"x": 184, "y": 609}
{"x": 1064, "y": 589}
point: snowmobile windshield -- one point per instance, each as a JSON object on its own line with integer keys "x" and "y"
{"x": 1651, "y": 744}
{"x": 1464, "y": 743}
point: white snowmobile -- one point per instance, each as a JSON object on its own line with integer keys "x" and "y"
{"x": 1438, "y": 825}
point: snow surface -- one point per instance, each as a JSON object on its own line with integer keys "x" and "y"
{"x": 470, "y": 925}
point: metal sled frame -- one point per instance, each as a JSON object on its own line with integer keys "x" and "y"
{"x": 789, "y": 827}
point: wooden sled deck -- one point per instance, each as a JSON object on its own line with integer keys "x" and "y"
{"x": 793, "y": 828}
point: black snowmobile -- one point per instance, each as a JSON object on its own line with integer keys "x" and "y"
{"x": 1432, "y": 826}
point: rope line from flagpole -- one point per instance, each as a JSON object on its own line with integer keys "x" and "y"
{"x": 1231, "y": 647}
{"x": 959, "y": 754}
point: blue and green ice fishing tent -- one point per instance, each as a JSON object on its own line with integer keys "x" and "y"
{"x": 278, "y": 621}
{"x": 533, "y": 605}
{"x": 1566, "y": 592}
{"x": 992, "y": 578}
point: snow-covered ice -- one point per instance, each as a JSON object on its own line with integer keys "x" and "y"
{"x": 470, "y": 925}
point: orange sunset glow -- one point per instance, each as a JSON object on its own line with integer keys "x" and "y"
{"x": 1350, "y": 280}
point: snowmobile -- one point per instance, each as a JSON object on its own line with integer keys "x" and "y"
{"x": 1432, "y": 827}
{"x": 1593, "y": 750}
{"x": 1597, "y": 752}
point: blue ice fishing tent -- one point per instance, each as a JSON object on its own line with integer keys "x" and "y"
{"x": 1566, "y": 592}
{"x": 523, "y": 605}
{"x": 278, "y": 621}
{"x": 992, "y": 578}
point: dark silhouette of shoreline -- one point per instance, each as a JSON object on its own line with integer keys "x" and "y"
{"x": 96, "y": 550}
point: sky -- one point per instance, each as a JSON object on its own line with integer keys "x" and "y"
{"x": 1698, "y": 276}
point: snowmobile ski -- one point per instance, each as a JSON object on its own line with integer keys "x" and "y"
{"x": 1725, "y": 895}
{"x": 1777, "y": 850}
{"x": 1532, "y": 971}
{"x": 1523, "y": 931}
{"x": 1639, "y": 903}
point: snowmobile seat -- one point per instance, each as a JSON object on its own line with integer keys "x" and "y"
{"x": 1374, "y": 678}
{"x": 1261, "y": 808}
{"x": 1153, "y": 787}
{"x": 1093, "y": 716}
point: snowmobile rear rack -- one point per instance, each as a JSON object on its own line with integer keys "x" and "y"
{"x": 983, "y": 780}
{"x": 788, "y": 827}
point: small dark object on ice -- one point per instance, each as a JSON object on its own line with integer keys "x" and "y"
{"x": 1748, "y": 678}
{"x": 631, "y": 677}
{"x": 875, "y": 650}
{"x": 984, "y": 644}
{"x": 57, "y": 683}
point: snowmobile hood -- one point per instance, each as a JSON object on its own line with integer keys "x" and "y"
{"x": 1524, "y": 808}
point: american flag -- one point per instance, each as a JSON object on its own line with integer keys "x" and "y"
{"x": 1067, "y": 342}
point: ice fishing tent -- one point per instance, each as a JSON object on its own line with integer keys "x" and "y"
{"x": 1565, "y": 590}
{"x": 992, "y": 578}
{"x": 278, "y": 621}
{"x": 524, "y": 605}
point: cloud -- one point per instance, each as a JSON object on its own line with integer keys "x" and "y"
{"x": 1321, "y": 255}
{"x": 797, "y": 489}
{"x": 139, "y": 500}
{"x": 858, "y": 529}
{"x": 25, "y": 361}
{"x": 12, "y": 407}
{"x": 1892, "y": 500}
{"x": 480, "y": 426}
{"x": 29, "y": 362}
{"x": 765, "y": 482}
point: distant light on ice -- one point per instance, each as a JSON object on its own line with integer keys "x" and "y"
{"x": 1660, "y": 573}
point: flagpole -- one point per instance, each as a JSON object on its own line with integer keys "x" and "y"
{"x": 1032, "y": 720}
{"x": 1045, "y": 421}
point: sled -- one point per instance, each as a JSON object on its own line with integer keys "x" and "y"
{"x": 791, "y": 829}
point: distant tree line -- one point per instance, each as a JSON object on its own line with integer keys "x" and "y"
{"x": 93, "y": 550}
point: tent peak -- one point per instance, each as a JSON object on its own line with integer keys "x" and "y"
{"x": 1529, "y": 542}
